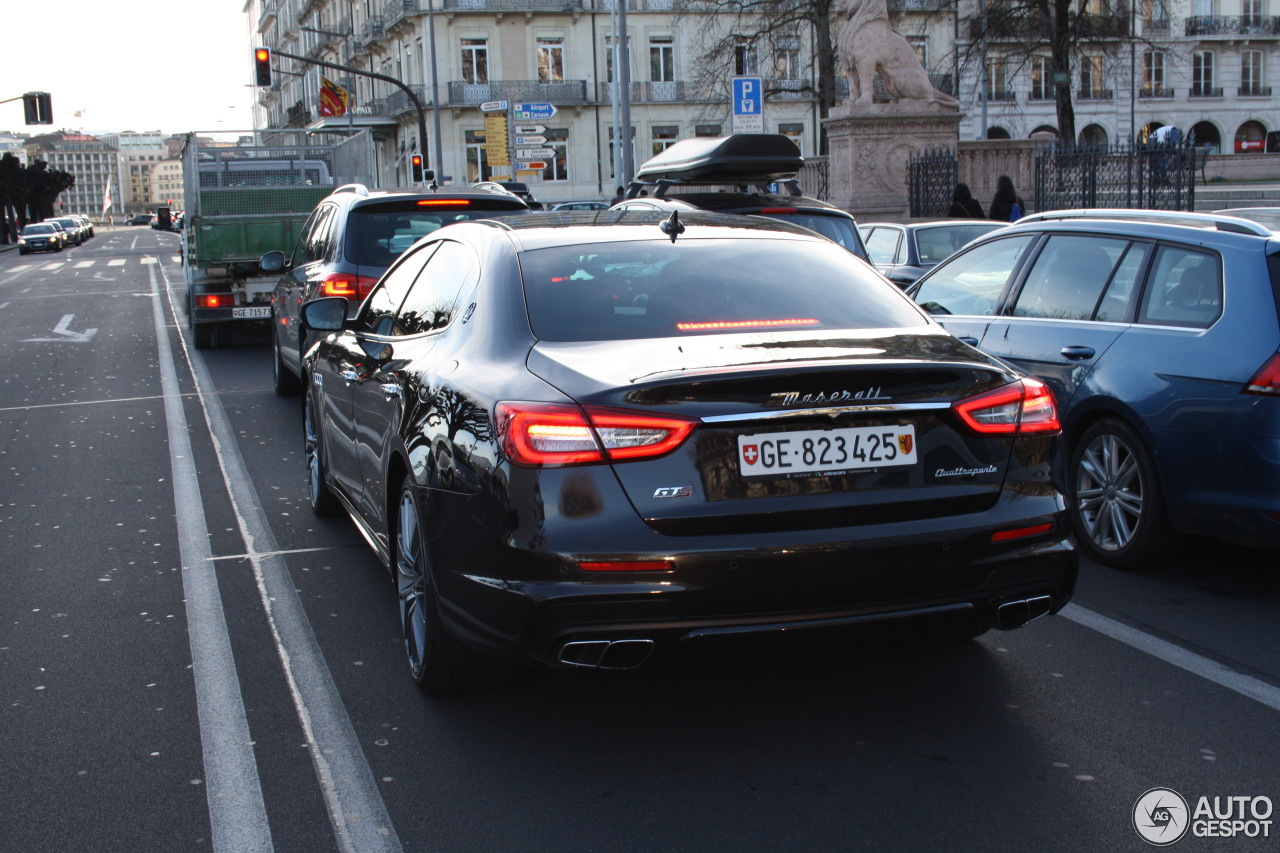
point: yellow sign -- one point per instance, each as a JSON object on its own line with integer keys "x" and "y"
{"x": 495, "y": 139}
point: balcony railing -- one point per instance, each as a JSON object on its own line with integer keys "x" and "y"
{"x": 512, "y": 5}
{"x": 1227, "y": 25}
{"x": 268, "y": 16}
{"x": 1156, "y": 26}
{"x": 399, "y": 103}
{"x": 1205, "y": 92}
{"x": 1254, "y": 91}
{"x": 558, "y": 93}
{"x": 372, "y": 30}
{"x": 1102, "y": 27}
{"x": 1154, "y": 92}
{"x": 397, "y": 10}
{"x": 1095, "y": 95}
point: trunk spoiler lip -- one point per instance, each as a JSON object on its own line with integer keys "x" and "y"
{"x": 826, "y": 411}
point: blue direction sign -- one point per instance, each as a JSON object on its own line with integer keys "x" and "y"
{"x": 532, "y": 111}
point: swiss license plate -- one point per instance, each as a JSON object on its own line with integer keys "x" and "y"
{"x": 251, "y": 311}
{"x": 826, "y": 451}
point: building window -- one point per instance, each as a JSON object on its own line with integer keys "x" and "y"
{"x": 786, "y": 58}
{"x": 617, "y": 166}
{"x": 475, "y": 60}
{"x": 746, "y": 62}
{"x": 1091, "y": 77}
{"x": 550, "y": 60}
{"x": 664, "y": 136}
{"x": 1251, "y": 73}
{"x": 706, "y": 130}
{"x": 557, "y": 165}
{"x": 477, "y": 161}
{"x": 1202, "y": 73}
{"x": 997, "y": 79}
{"x": 608, "y": 57}
{"x": 794, "y": 131}
{"x": 1153, "y": 72}
{"x": 662, "y": 59}
{"x": 1041, "y": 79}
{"x": 1251, "y": 13}
{"x": 1202, "y": 8}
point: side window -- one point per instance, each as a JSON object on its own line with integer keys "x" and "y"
{"x": 1184, "y": 289}
{"x": 380, "y": 308}
{"x": 1124, "y": 284}
{"x": 971, "y": 283}
{"x": 882, "y": 245}
{"x": 433, "y": 299}
{"x": 1069, "y": 276}
{"x": 300, "y": 249}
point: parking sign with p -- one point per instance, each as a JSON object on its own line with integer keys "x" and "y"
{"x": 748, "y": 105}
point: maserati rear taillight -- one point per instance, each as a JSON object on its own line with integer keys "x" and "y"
{"x": 543, "y": 434}
{"x": 1023, "y": 407}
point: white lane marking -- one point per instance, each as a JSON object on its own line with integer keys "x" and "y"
{"x": 260, "y": 554}
{"x": 357, "y": 813}
{"x": 148, "y": 260}
{"x": 134, "y": 244}
{"x": 53, "y": 266}
{"x": 237, "y": 813}
{"x": 1224, "y": 676}
{"x": 81, "y": 402}
{"x": 116, "y": 262}
{"x": 83, "y": 264}
{"x": 64, "y": 330}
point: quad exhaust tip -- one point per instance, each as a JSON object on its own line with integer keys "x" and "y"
{"x": 1015, "y": 614}
{"x": 606, "y": 654}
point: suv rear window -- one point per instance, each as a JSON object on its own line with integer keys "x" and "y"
{"x": 619, "y": 291}
{"x": 378, "y": 233}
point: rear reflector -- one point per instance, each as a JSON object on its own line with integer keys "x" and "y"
{"x": 1019, "y": 408}
{"x": 626, "y": 566}
{"x": 1267, "y": 380}
{"x": 1021, "y": 532}
{"x": 542, "y": 434}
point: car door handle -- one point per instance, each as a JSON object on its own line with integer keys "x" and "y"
{"x": 1078, "y": 353}
{"x": 349, "y": 375}
{"x": 391, "y": 391}
{"x": 971, "y": 341}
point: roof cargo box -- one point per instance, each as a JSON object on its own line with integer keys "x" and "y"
{"x": 743, "y": 157}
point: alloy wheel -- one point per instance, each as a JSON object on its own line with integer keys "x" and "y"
{"x": 1109, "y": 492}
{"x": 411, "y": 582}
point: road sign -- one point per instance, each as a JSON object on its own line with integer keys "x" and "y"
{"x": 748, "y": 105}
{"x": 492, "y": 106}
{"x": 530, "y": 128}
{"x": 530, "y": 165}
{"x": 532, "y": 111}
{"x": 530, "y": 140}
{"x": 534, "y": 153}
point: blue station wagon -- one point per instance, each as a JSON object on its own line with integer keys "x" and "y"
{"x": 1159, "y": 335}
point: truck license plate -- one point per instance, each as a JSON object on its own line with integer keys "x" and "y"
{"x": 251, "y": 311}
{"x": 818, "y": 451}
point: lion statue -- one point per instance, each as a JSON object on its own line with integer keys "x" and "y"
{"x": 869, "y": 46}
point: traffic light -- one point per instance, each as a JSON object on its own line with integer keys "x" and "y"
{"x": 416, "y": 162}
{"x": 38, "y": 107}
{"x": 262, "y": 66}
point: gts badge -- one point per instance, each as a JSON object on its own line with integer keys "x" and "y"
{"x": 673, "y": 492}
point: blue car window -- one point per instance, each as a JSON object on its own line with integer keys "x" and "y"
{"x": 1184, "y": 289}
{"x": 1069, "y": 277}
{"x": 1114, "y": 307}
{"x": 882, "y": 244}
{"x": 971, "y": 283}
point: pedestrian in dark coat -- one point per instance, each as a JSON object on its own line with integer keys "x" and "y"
{"x": 964, "y": 205}
{"x": 1007, "y": 206}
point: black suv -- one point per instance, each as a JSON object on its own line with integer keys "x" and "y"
{"x": 757, "y": 166}
{"x": 347, "y": 244}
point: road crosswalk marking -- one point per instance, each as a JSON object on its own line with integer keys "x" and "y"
{"x": 54, "y": 266}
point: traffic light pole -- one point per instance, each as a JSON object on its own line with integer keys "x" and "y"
{"x": 422, "y": 119}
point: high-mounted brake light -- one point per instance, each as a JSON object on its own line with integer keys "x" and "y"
{"x": 625, "y": 566}
{"x": 547, "y": 434}
{"x": 1023, "y": 407}
{"x": 1267, "y": 380}
{"x": 766, "y": 211}
{"x": 743, "y": 324}
{"x": 444, "y": 202}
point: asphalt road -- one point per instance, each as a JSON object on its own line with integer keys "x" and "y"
{"x": 189, "y": 660}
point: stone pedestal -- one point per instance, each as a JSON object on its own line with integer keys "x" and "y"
{"x": 868, "y": 147}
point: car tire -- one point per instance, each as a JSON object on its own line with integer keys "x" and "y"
{"x": 286, "y": 383}
{"x": 438, "y": 663}
{"x": 323, "y": 501}
{"x": 1116, "y": 501}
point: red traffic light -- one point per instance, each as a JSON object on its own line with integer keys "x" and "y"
{"x": 416, "y": 162}
{"x": 262, "y": 66}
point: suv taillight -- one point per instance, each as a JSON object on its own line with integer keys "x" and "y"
{"x": 1267, "y": 380}
{"x": 346, "y": 285}
{"x": 1019, "y": 408}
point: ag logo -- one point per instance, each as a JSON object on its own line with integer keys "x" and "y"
{"x": 1161, "y": 816}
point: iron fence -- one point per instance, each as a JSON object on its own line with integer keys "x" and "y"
{"x": 931, "y": 181}
{"x": 1125, "y": 175}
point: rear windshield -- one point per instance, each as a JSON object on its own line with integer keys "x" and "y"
{"x": 839, "y": 229}
{"x": 378, "y": 233}
{"x": 620, "y": 291}
{"x": 38, "y": 229}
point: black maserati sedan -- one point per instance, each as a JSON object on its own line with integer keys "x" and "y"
{"x": 583, "y": 439}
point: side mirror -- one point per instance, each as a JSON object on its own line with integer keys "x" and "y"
{"x": 325, "y": 315}
{"x": 272, "y": 262}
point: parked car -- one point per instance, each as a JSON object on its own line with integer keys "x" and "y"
{"x": 41, "y": 237}
{"x": 141, "y": 219}
{"x": 581, "y": 205}
{"x": 349, "y": 240}
{"x": 86, "y": 224}
{"x": 762, "y": 169}
{"x": 1158, "y": 333}
{"x": 906, "y": 250}
{"x": 579, "y": 438}
{"x": 76, "y": 232}
{"x": 519, "y": 188}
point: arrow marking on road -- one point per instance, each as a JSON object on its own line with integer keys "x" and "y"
{"x": 100, "y": 277}
{"x": 64, "y": 328}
